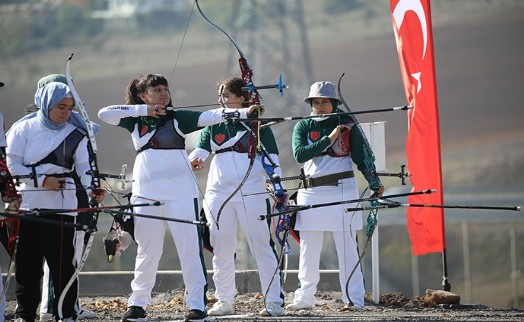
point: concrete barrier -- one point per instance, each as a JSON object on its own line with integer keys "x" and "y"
{"x": 117, "y": 283}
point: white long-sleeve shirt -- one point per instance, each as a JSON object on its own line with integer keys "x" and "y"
{"x": 162, "y": 174}
{"x": 29, "y": 142}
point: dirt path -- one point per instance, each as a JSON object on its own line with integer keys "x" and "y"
{"x": 392, "y": 307}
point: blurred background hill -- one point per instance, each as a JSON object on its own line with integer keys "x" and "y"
{"x": 479, "y": 66}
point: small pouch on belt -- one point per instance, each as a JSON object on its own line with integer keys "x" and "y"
{"x": 329, "y": 180}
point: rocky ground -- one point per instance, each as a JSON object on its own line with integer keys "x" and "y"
{"x": 392, "y": 307}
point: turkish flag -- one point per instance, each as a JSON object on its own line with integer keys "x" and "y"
{"x": 414, "y": 38}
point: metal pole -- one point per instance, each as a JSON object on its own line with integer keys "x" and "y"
{"x": 514, "y": 267}
{"x": 415, "y": 279}
{"x": 445, "y": 283}
{"x": 467, "y": 267}
{"x": 375, "y": 266}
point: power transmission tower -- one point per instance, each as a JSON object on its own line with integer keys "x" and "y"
{"x": 274, "y": 39}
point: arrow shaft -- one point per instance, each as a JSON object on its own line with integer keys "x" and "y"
{"x": 46, "y": 211}
{"x": 396, "y": 205}
{"x": 334, "y": 203}
{"x": 192, "y": 222}
{"x": 31, "y": 217}
{"x": 294, "y": 118}
{"x": 460, "y": 207}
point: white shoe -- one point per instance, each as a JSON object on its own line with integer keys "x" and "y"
{"x": 353, "y": 307}
{"x": 44, "y": 316}
{"x": 220, "y": 308}
{"x": 20, "y": 320}
{"x": 85, "y": 314}
{"x": 297, "y": 306}
{"x": 272, "y": 309}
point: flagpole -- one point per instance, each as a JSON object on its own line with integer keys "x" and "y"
{"x": 446, "y": 286}
{"x": 414, "y": 39}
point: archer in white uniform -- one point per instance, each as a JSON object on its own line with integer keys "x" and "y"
{"x": 328, "y": 146}
{"x": 46, "y": 305}
{"x": 162, "y": 172}
{"x": 230, "y": 165}
{"x": 56, "y": 147}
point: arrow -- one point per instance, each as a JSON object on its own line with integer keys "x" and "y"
{"x": 372, "y": 198}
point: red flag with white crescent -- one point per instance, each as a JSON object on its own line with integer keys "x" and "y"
{"x": 414, "y": 38}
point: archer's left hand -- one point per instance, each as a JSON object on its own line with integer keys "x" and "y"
{"x": 281, "y": 201}
{"x": 258, "y": 108}
{"x": 98, "y": 194}
{"x": 377, "y": 192}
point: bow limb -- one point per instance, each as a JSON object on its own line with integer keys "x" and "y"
{"x": 13, "y": 200}
{"x": 369, "y": 172}
{"x": 251, "y": 163}
{"x": 368, "y": 165}
{"x": 284, "y": 221}
{"x": 371, "y": 225}
{"x": 95, "y": 181}
{"x": 254, "y": 98}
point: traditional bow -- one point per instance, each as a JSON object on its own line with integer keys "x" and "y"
{"x": 254, "y": 98}
{"x": 95, "y": 181}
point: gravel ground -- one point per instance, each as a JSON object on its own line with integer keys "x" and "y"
{"x": 392, "y": 307}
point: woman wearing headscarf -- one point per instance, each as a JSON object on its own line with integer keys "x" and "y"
{"x": 50, "y": 146}
{"x": 46, "y": 306}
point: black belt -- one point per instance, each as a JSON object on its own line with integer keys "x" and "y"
{"x": 329, "y": 180}
{"x": 228, "y": 150}
{"x": 331, "y": 153}
{"x": 151, "y": 145}
{"x": 59, "y": 175}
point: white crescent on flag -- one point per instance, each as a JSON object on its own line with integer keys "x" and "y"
{"x": 404, "y": 6}
{"x": 398, "y": 14}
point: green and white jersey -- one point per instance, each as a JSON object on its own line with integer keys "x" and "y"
{"x": 312, "y": 147}
{"x": 165, "y": 173}
{"x": 231, "y": 162}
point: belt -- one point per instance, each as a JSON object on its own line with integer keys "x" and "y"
{"x": 59, "y": 175}
{"x": 329, "y": 180}
{"x": 230, "y": 149}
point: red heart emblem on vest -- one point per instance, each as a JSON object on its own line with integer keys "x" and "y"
{"x": 143, "y": 130}
{"x": 219, "y": 138}
{"x": 314, "y": 135}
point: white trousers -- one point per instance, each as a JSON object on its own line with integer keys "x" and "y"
{"x": 149, "y": 235}
{"x": 309, "y": 266}
{"x": 224, "y": 242}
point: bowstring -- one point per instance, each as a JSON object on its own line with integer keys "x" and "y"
{"x": 182, "y": 42}
{"x": 351, "y": 235}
